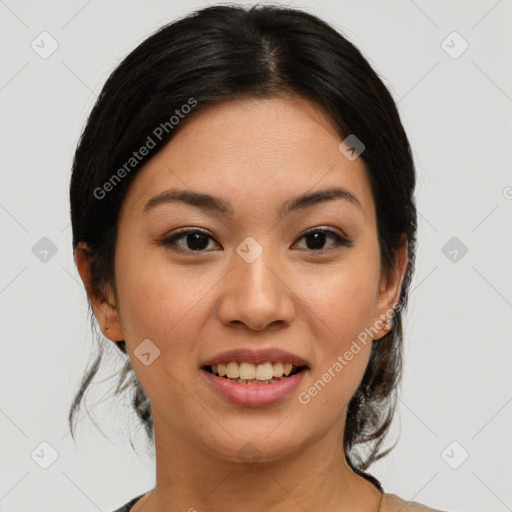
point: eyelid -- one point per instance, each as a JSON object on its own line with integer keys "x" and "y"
{"x": 326, "y": 229}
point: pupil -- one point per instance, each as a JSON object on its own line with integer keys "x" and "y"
{"x": 193, "y": 238}
{"x": 316, "y": 244}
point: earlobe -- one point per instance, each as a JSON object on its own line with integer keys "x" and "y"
{"x": 104, "y": 308}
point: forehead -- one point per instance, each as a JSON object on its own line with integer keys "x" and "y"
{"x": 257, "y": 150}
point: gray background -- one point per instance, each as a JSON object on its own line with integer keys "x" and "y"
{"x": 457, "y": 384}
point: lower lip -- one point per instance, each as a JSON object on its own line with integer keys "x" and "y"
{"x": 255, "y": 395}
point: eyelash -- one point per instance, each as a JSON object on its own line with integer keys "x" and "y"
{"x": 339, "y": 240}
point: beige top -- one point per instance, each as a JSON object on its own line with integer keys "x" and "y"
{"x": 392, "y": 503}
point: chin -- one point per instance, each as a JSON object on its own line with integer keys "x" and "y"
{"x": 254, "y": 449}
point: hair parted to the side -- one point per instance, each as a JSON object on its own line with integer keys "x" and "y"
{"x": 225, "y": 52}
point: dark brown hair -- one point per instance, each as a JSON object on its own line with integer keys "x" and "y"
{"x": 225, "y": 52}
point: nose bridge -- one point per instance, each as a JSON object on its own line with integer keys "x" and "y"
{"x": 253, "y": 272}
{"x": 256, "y": 294}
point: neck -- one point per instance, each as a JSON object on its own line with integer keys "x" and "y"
{"x": 314, "y": 477}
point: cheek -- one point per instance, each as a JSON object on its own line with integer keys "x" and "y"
{"x": 343, "y": 304}
{"x": 160, "y": 301}
{"x": 344, "y": 298}
{"x": 164, "y": 304}
{"x": 346, "y": 347}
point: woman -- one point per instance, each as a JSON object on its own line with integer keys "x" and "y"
{"x": 244, "y": 225}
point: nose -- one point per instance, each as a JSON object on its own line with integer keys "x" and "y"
{"x": 257, "y": 295}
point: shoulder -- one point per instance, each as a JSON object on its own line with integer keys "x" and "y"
{"x": 128, "y": 506}
{"x": 393, "y": 503}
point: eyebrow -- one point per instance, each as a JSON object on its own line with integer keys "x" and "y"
{"x": 216, "y": 204}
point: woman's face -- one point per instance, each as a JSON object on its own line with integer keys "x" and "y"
{"x": 253, "y": 281}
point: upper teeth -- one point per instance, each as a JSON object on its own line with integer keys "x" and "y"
{"x": 243, "y": 370}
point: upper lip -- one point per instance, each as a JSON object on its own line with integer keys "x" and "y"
{"x": 256, "y": 356}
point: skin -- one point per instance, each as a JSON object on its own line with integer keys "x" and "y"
{"x": 255, "y": 154}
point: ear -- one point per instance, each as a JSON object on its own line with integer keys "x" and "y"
{"x": 390, "y": 292}
{"x": 103, "y": 303}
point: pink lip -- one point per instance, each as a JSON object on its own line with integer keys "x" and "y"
{"x": 254, "y": 395}
{"x": 256, "y": 357}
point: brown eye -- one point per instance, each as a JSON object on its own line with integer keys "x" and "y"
{"x": 194, "y": 240}
{"x": 317, "y": 239}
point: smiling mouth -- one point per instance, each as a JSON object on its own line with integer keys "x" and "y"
{"x": 251, "y": 374}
